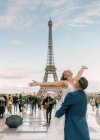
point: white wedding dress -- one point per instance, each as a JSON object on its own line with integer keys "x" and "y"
{"x": 56, "y": 129}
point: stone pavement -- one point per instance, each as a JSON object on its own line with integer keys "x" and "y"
{"x": 34, "y": 128}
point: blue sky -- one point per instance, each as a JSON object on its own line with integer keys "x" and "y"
{"x": 24, "y": 40}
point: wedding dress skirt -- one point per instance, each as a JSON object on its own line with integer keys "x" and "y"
{"x": 56, "y": 129}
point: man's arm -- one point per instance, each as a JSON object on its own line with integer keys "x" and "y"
{"x": 69, "y": 100}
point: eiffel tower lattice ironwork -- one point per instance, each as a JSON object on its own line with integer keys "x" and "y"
{"x": 50, "y": 66}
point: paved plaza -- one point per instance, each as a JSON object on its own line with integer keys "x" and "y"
{"x": 34, "y": 126}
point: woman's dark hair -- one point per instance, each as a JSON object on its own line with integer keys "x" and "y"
{"x": 62, "y": 77}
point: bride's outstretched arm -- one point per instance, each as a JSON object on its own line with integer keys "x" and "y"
{"x": 56, "y": 83}
{"x": 80, "y": 72}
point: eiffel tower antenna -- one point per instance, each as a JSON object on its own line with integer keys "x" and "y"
{"x": 50, "y": 65}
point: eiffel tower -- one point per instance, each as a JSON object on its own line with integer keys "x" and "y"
{"x": 50, "y": 66}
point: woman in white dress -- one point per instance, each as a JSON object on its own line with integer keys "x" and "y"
{"x": 67, "y": 82}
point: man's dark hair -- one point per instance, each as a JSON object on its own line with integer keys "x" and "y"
{"x": 83, "y": 83}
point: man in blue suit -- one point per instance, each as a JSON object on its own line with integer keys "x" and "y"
{"x": 74, "y": 107}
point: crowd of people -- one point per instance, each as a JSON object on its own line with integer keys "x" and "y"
{"x": 18, "y": 103}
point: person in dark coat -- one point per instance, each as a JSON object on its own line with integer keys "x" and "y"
{"x": 39, "y": 100}
{"x": 48, "y": 105}
{"x": 20, "y": 102}
{"x": 75, "y": 107}
{"x": 34, "y": 102}
{"x": 15, "y": 103}
{"x": 2, "y": 107}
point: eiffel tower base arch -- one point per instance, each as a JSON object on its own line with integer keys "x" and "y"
{"x": 43, "y": 90}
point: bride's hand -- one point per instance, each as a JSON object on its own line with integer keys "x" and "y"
{"x": 33, "y": 83}
{"x": 84, "y": 67}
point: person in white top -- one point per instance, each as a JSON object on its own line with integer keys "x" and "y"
{"x": 67, "y": 82}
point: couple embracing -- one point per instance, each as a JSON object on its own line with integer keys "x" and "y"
{"x": 70, "y": 117}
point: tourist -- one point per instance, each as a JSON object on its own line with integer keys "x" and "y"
{"x": 2, "y": 107}
{"x": 15, "y": 103}
{"x": 9, "y": 104}
{"x": 48, "y": 104}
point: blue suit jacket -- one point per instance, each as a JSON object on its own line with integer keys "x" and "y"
{"x": 74, "y": 107}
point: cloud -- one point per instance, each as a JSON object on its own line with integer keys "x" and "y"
{"x": 19, "y": 14}
{"x": 94, "y": 9}
{"x": 17, "y": 42}
{"x": 89, "y": 14}
{"x": 18, "y": 73}
{"x": 73, "y": 15}
{"x": 7, "y": 21}
{"x": 53, "y": 3}
{"x": 94, "y": 86}
{"x": 12, "y": 74}
{"x": 80, "y": 22}
{"x": 23, "y": 14}
{"x": 16, "y": 79}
